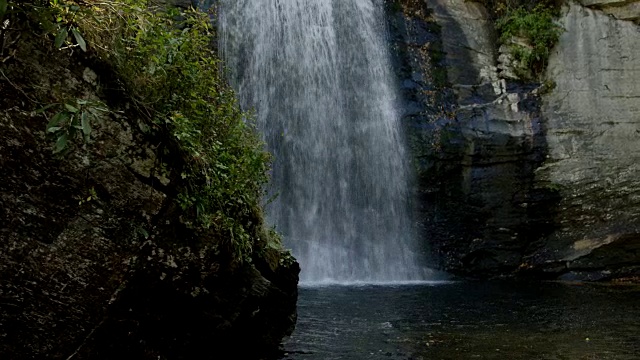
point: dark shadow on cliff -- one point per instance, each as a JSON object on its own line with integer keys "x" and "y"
{"x": 481, "y": 208}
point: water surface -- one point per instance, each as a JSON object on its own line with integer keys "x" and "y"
{"x": 506, "y": 321}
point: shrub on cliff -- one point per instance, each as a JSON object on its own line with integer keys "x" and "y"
{"x": 171, "y": 76}
{"x": 538, "y": 29}
{"x": 532, "y": 24}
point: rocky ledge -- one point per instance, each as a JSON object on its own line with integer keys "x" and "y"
{"x": 620, "y": 9}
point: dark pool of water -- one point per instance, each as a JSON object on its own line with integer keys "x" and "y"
{"x": 506, "y": 321}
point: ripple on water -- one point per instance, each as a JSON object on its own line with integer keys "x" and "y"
{"x": 459, "y": 320}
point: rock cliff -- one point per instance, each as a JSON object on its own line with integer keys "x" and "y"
{"x": 522, "y": 177}
{"x": 593, "y": 126}
{"x": 95, "y": 260}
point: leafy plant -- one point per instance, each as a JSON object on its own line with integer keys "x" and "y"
{"x": 166, "y": 63}
{"x": 169, "y": 71}
{"x": 500, "y": 8}
{"x": 93, "y": 195}
{"x": 65, "y": 17}
{"x": 537, "y": 27}
{"x": 72, "y": 120}
{"x": 58, "y": 18}
{"x": 530, "y": 21}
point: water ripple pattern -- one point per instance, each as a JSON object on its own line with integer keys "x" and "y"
{"x": 317, "y": 73}
{"x": 467, "y": 320}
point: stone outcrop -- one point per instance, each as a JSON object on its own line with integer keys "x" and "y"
{"x": 475, "y": 146}
{"x": 620, "y": 9}
{"x": 593, "y": 125}
{"x": 94, "y": 261}
{"x": 520, "y": 177}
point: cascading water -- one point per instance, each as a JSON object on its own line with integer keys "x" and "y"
{"x": 317, "y": 73}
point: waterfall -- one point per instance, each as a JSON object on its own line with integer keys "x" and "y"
{"x": 318, "y": 75}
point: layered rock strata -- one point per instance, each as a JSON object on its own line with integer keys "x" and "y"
{"x": 520, "y": 177}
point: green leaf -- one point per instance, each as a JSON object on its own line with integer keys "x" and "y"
{"x": 61, "y": 37}
{"x": 53, "y": 129}
{"x": 61, "y": 143}
{"x": 79, "y": 39}
{"x": 274, "y": 245}
{"x": 71, "y": 108}
{"x": 57, "y": 119}
{"x": 86, "y": 126}
{"x": 142, "y": 232}
{"x": 3, "y": 8}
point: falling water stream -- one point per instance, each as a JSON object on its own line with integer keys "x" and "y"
{"x": 318, "y": 75}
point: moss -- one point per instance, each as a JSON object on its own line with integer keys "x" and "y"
{"x": 547, "y": 86}
{"x": 551, "y": 186}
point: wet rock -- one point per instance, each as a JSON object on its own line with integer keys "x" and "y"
{"x": 513, "y": 173}
{"x": 477, "y": 143}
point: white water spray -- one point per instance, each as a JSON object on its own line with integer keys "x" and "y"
{"x": 317, "y": 73}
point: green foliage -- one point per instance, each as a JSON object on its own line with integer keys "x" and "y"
{"x": 71, "y": 121}
{"x": 167, "y": 65}
{"x": 62, "y": 21}
{"x": 3, "y": 8}
{"x": 537, "y": 27}
{"x": 58, "y": 18}
{"x": 286, "y": 259}
{"x": 93, "y": 195}
{"x": 551, "y": 187}
{"x": 531, "y": 21}
{"x": 272, "y": 251}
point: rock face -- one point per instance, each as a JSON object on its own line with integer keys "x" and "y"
{"x": 477, "y": 144}
{"x": 94, "y": 263}
{"x": 593, "y": 126}
{"x": 517, "y": 177}
{"x": 620, "y": 9}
